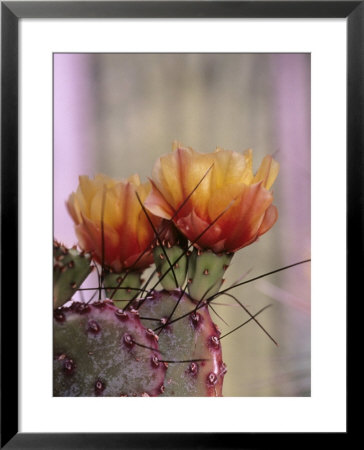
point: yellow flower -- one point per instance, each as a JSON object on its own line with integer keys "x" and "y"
{"x": 127, "y": 232}
{"x": 230, "y": 188}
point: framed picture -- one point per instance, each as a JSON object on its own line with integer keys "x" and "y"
{"x": 103, "y": 91}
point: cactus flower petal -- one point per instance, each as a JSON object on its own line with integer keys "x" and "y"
{"x": 126, "y": 230}
{"x": 228, "y": 188}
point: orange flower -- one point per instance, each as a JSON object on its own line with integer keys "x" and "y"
{"x": 229, "y": 186}
{"x": 127, "y": 232}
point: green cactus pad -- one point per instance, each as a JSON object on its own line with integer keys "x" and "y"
{"x": 195, "y": 337}
{"x": 205, "y": 272}
{"x": 163, "y": 265}
{"x": 127, "y": 289}
{"x": 70, "y": 269}
{"x": 100, "y": 350}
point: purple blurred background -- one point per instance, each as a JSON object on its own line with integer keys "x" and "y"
{"x": 116, "y": 113}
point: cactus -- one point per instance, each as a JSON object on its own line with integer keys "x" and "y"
{"x": 122, "y": 286}
{"x": 205, "y": 272}
{"x": 164, "y": 257}
{"x": 102, "y": 350}
{"x": 210, "y": 203}
{"x": 169, "y": 250}
{"x": 70, "y": 269}
{"x": 190, "y": 346}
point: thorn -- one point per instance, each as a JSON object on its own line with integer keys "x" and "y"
{"x": 161, "y": 256}
{"x": 176, "y": 266}
{"x": 189, "y": 281}
{"x": 206, "y": 272}
{"x": 73, "y": 285}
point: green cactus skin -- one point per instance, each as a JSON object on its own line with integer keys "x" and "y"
{"x": 205, "y": 272}
{"x": 132, "y": 280}
{"x": 194, "y": 337}
{"x": 98, "y": 352}
{"x": 163, "y": 265}
{"x": 70, "y": 269}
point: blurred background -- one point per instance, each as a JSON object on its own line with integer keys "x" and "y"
{"x": 117, "y": 113}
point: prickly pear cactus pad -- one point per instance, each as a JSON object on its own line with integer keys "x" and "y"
{"x": 100, "y": 350}
{"x": 70, "y": 269}
{"x": 190, "y": 345}
{"x": 126, "y": 285}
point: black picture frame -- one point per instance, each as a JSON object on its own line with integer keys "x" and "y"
{"x": 11, "y": 13}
